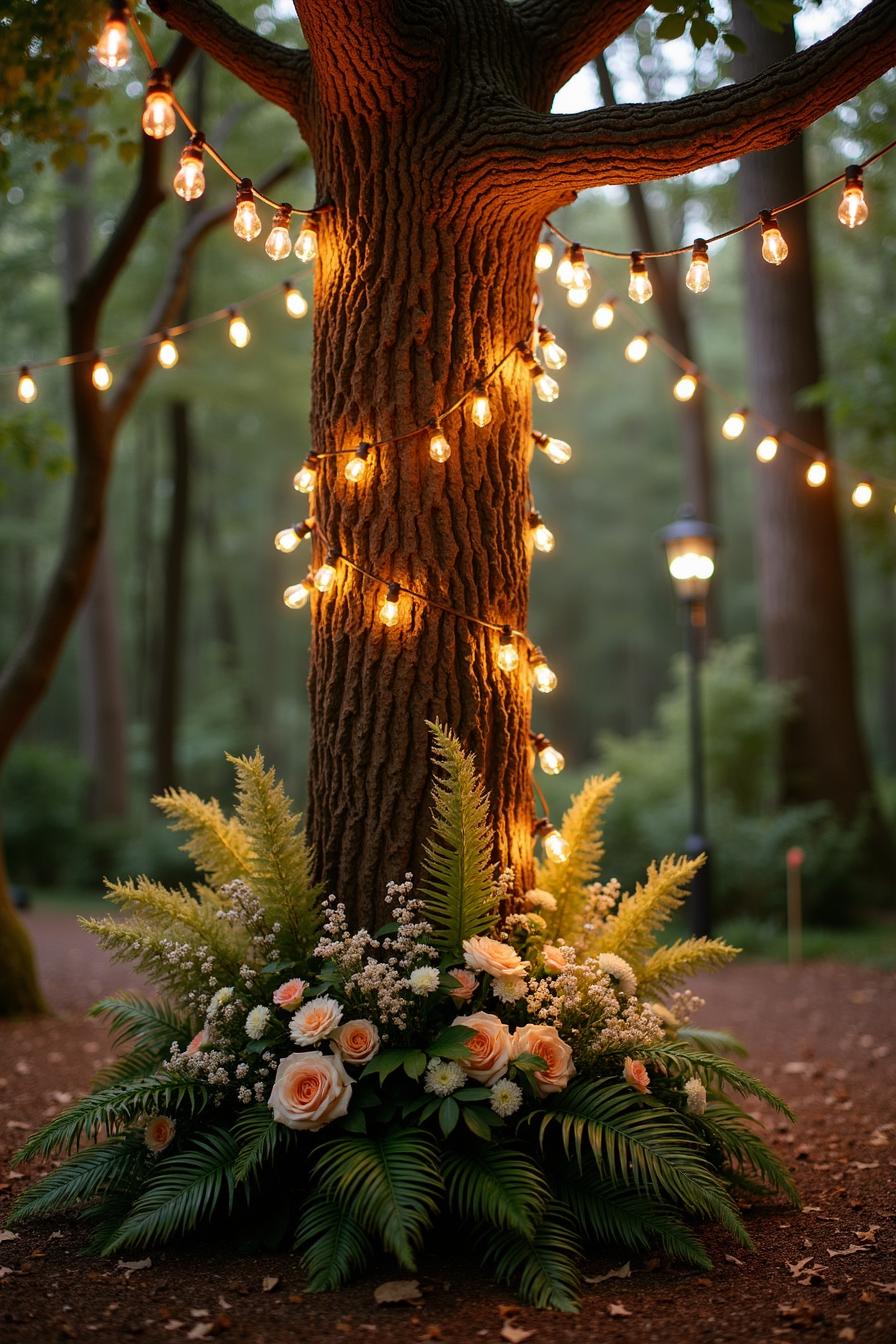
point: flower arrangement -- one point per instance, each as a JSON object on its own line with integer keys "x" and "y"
{"x": 526, "y": 1067}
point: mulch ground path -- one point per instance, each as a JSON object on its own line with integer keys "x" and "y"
{"x": 819, "y": 1034}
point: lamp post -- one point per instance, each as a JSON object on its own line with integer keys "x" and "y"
{"x": 690, "y": 547}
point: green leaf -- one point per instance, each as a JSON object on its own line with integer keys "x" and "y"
{"x": 616, "y": 1215}
{"x": 149, "y": 1027}
{"x": 529, "y": 1063}
{"x": 544, "y": 1268}
{"x": 82, "y": 1177}
{"x": 672, "y": 26}
{"x": 502, "y": 1186}
{"x": 257, "y": 1136}
{"x": 451, "y": 1043}
{"x": 449, "y": 1114}
{"x": 734, "y": 43}
{"x": 476, "y": 1122}
{"x": 333, "y": 1246}
{"x": 415, "y": 1064}
{"x": 467, "y": 1094}
{"x": 681, "y": 1060}
{"x": 387, "y": 1061}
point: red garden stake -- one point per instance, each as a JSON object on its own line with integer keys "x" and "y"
{"x": 795, "y": 858}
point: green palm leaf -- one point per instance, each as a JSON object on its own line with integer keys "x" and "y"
{"x": 497, "y": 1185}
{"x": 619, "y": 1216}
{"x": 332, "y": 1244}
{"x": 543, "y": 1268}
{"x": 149, "y": 1026}
{"x": 258, "y": 1136}
{"x": 730, "y": 1132}
{"x": 680, "y": 1059}
{"x": 82, "y": 1177}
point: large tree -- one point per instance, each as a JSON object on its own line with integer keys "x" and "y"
{"x": 437, "y": 154}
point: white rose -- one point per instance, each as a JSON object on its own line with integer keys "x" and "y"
{"x": 310, "y": 1090}
{"x": 315, "y": 1020}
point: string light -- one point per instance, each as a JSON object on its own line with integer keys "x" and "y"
{"x": 817, "y": 472}
{"x": 26, "y": 390}
{"x": 546, "y": 387}
{"x": 246, "y": 224}
{"x": 290, "y": 538}
{"x": 542, "y": 536}
{"x": 158, "y": 119}
{"x": 439, "y": 447}
{"x": 305, "y": 478}
{"x": 686, "y": 386}
{"x": 356, "y": 466}
{"x": 550, "y": 759}
{"x": 278, "y": 243}
{"x": 565, "y": 273}
{"x": 552, "y": 353}
{"x": 168, "y": 353}
{"x": 862, "y": 494}
{"x": 734, "y": 424}
{"x": 577, "y": 296}
{"x": 557, "y": 450}
{"x": 544, "y": 677}
{"x": 555, "y": 847}
{"x": 637, "y": 348}
{"x": 508, "y": 654}
{"x": 189, "y": 180}
{"x": 603, "y": 315}
{"x": 113, "y": 50}
{"x": 238, "y": 330}
{"x": 581, "y": 274}
{"x": 640, "y": 290}
{"x": 306, "y": 243}
{"x": 101, "y": 375}
{"x": 853, "y": 210}
{"x": 297, "y": 594}
{"x": 389, "y": 609}
{"x": 774, "y": 248}
{"x": 480, "y": 410}
{"x": 325, "y": 576}
{"x": 767, "y": 448}
{"x": 296, "y": 303}
{"x": 697, "y": 277}
{"x": 544, "y": 256}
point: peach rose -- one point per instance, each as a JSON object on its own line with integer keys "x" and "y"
{"x": 636, "y": 1075}
{"x": 310, "y": 1090}
{"x": 314, "y": 1020}
{"x": 466, "y": 984}
{"x": 497, "y": 959}
{"x": 357, "y": 1041}
{"x": 539, "y": 1039}
{"x": 489, "y": 1048}
{"x": 158, "y": 1133}
{"x": 553, "y": 957}
{"x": 289, "y": 994}
{"x": 198, "y": 1041}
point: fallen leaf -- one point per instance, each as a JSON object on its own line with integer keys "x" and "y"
{"x": 4, "y": 1270}
{"x": 623, "y": 1272}
{"x": 869, "y": 1235}
{"x": 173, "y": 1325}
{"x": 514, "y": 1333}
{"x": 617, "y": 1309}
{"x": 9, "y": 1236}
{"x": 889, "y": 1289}
{"x": 431, "y": 1332}
{"x": 397, "y": 1290}
{"x": 733, "y": 1260}
{"x": 131, "y": 1266}
{"x": 201, "y": 1330}
{"x": 198, "y": 1311}
{"x": 506, "y": 1310}
{"x": 864, "y": 1166}
{"x": 806, "y": 1271}
{"x": 17, "y": 1124}
{"x": 269, "y": 1283}
{"x": 850, "y": 1250}
{"x": 847, "y": 1333}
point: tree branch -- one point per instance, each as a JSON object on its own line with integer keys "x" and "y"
{"x": 638, "y": 143}
{"x": 563, "y": 35}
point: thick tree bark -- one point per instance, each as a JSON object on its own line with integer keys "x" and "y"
{"x": 20, "y": 991}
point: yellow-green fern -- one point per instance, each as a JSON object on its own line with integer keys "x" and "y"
{"x": 566, "y": 882}
{"x": 217, "y": 845}
{"x": 669, "y": 966}
{"x": 630, "y": 931}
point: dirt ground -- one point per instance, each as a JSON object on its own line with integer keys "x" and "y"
{"x": 819, "y": 1034}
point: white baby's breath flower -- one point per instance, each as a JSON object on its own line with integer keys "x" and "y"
{"x": 219, "y": 998}
{"x": 618, "y": 969}
{"x": 537, "y": 899}
{"x": 506, "y": 1097}
{"x": 424, "y": 980}
{"x": 696, "y": 1096}
{"x": 443, "y": 1076}
{"x": 257, "y": 1021}
{"x": 509, "y": 988}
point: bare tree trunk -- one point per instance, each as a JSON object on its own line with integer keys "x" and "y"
{"x": 168, "y": 663}
{"x": 20, "y": 990}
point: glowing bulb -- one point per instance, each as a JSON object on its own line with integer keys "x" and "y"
{"x": 697, "y": 278}
{"x": 297, "y": 595}
{"x": 278, "y": 243}
{"x": 581, "y": 275}
{"x": 556, "y": 848}
{"x": 439, "y": 447}
{"x": 603, "y": 316}
{"x": 637, "y": 348}
{"x": 508, "y": 654}
{"x": 389, "y": 609}
{"x": 862, "y": 495}
{"x": 158, "y": 109}
{"x": 549, "y": 758}
{"x": 542, "y": 536}
{"x": 817, "y": 472}
{"x": 306, "y": 243}
{"x": 852, "y": 210}
{"x": 296, "y": 303}
{"x": 101, "y": 375}
{"x": 238, "y": 330}
{"x": 305, "y": 478}
{"x": 546, "y": 387}
{"x": 639, "y": 287}
{"x": 189, "y": 180}
{"x": 553, "y": 354}
{"x": 565, "y": 273}
{"x": 690, "y": 565}
{"x": 685, "y": 388}
{"x": 544, "y": 256}
{"x": 480, "y": 409}
{"x": 774, "y": 248}
{"x": 291, "y": 537}
{"x": 246, "y": 224}
{"x": 356, "y": 466}
{"x": 168, "y": 353}
{"x": 767, "y": 448}
{"x": 544, "y": 677}
{"x": 113, "y": 50}
{"x": 27, "y": 387}
{"x": 733, "y": 425}
{"x": 557, "y": 450}
{"x": 325, "y": 576}
{"x": 576, "y": 296}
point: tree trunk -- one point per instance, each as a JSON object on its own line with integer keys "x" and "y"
{"x": 174, "y": 602}
{"x": 803, "y": 596}
{"x": 103, "y": 715}
{"x": 20, "y": 991}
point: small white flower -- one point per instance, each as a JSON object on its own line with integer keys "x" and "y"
{"x": 424, "y": 980}
{"x": 537, "y": 899}
{"x": 506, "y": 1097}
{"x": 696, "y": 1096}
{"x": 619, "y": 970}
{"x": 220, "y": 997}
{"x": 509, "y": 988}
{"x": 257, "y": 1021}
{"x": 443, "y": 1076}
{"x": 244, "y": 1096}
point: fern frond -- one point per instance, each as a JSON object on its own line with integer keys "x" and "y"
{"x": 457, "y": 881}
{"x": 217, "y": 845}
{"x": 619, "y": 1216}
{"x": 333, "y": 1246}
{"x": 389, "y": 1184}
{"x": 81, "y": 1178}
{"x": 258, "y": 1136}
{"x": 151, "y": 1026}
{"x": 501, "y": 1186}
{"x": 142, "y": 944}
{"x": 182, "y": 1191}
{"x": 179, "y": 914}
{"x": 714, "y": 1042}
{"x": 279, "y": 862}
{"x": 669, "y": 966}
{"x": 731, "y": 1133}
{"x": 567, "y": 881}
{"x": 680, "y": 1059}
{"x": 543, "y": 1268}
{"x": 630, "y": 930}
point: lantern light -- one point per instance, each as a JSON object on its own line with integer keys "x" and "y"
{"x": 853, "y": 209}
{"x": 690, "y": 547}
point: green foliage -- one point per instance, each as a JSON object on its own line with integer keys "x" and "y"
{"x": 501, "y": 1186}
{"x": 258, "y": 1137}
{"x": 457, "y": 871}
{"x": 581, "y": 828}
{"x": 148, "y": 1027}
{"x": 668, "y": 966}
{"x": 217, "y": 845}
{"x": 544, "y": 1267}
{"x": 679, "y": 1058}
{"x": 630, "y": 931}
{"x": 616, "y": 1215}
{"x": 697, "y": 20}
{"x": 332, "y": 1244}
{"x": 42, "y": 791}
{"x": 731, "y": 1133}
{"x": 82, "y": 1177}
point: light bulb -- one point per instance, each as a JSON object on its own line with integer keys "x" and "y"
{"x": 306, "y": 243}
{"x": 862, "y": 494}
{"x": 389, "y": 609}
{"x": 639, "y": 287}
{"x": 637, "y": 348}
{"x": 774, "y": 248}
{"x": 546, "y": 387}
{"x": 544, "y": 256}
{"x": 480, "y": 410}
{"x": 581, "y": 275}
{"x": 556, "y": 848}
{"x": 817, "y": 472}
{"x": 852, "y": 210}
{"x": 246, "y": 224}
{"x": 542, "y": 536}
{"x": 697, "y": 278}
{"x": 278, "y": 243}
{"x": 113, "y": 50}
{"x": 325, "y": 576}
{"x": 356, "y": 466}
{"x": 158, "y": 109}
{"x": 168, "y": 353}
{"x": 508, "y": 654}
{"x": 553, "y": 354}
{"x": 305, "y": 478}
{"x": 577, "y": 296}
{"x": 101, "y": 375}
{"x": 297, "y": 595}
{"x": 439, "y": 447}
{"x": 556, "y": 449}
{"x": 549, "y": 758}
{"x": 767, "y": 448}
{"x": 565, "y": 273}
{"x": 685, "y": 388}
{"x": 291, "y": 537}
{"x": 604, "y": 314}
{"x": 238, "y": 330}
{"x": 690, "y": 565}
{"x": 27, "y": 388}
{"x": 545, "y": 679}
{"x": 189, "y": 180}
{"x": 296, "y": 303}
{"x": 733, "y": 425}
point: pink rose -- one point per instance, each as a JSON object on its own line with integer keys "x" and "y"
{"x": 466, "y": 984}
{"x": 289, "y": 995}
{"x": 310, "y": 1090}
{"x": 553, "y": 958}
{"x": 497, "y": 959}
{"x": 489, "y": 1048}
{"x": 357, "y": 1041}
{"x": 314, "y": 1020}
{"x": 636, "y": 1075}
{"x": 158, "y": 1133}
{"x": 540, "y": 1039}
{"x": 198, "y": 1041}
